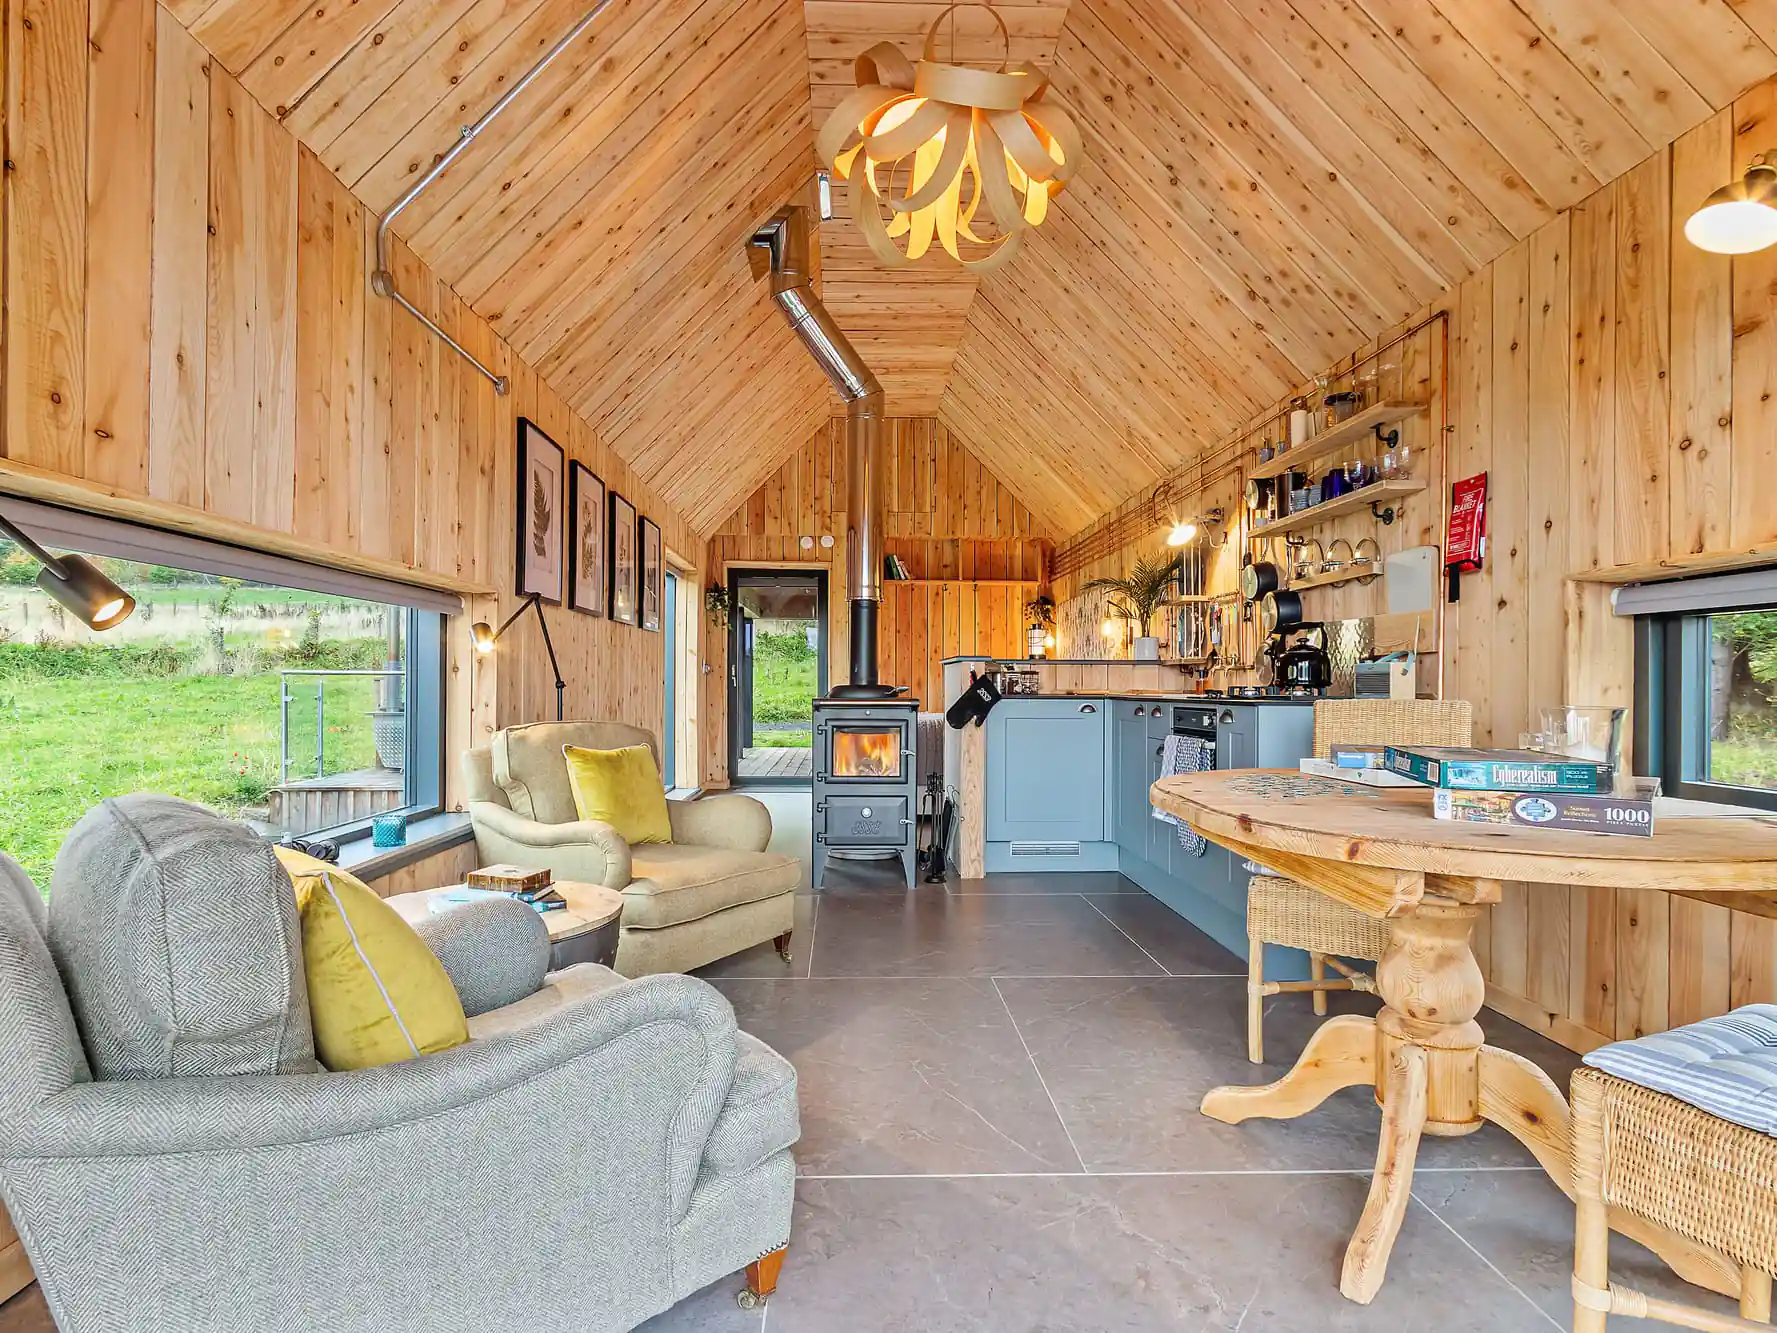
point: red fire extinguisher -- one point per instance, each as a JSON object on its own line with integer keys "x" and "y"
{"x": 1465, "y": 545}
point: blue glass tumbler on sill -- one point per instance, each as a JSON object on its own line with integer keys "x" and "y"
{"x": 388, "y": 831}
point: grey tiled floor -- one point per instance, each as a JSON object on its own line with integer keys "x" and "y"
{"x": 999, "y": 1085}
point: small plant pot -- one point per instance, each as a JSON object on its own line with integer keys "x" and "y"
{"x": 1145, "y": 649}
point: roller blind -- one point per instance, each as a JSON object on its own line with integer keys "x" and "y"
{"x": 68, "y": 529}
{"x": 1715, "y": 592}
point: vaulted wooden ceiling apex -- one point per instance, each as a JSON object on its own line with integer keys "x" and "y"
{"x": 1268, "y": 184}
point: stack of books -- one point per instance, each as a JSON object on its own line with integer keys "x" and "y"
{"x": 1525, "y": 789}
{"x": 894, "y": 569}
{"x": 527, "y": 884}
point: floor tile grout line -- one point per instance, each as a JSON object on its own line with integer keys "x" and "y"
{"x": 1011, "y": 976}
{"x": 814, "y": 925}
{"x": 1164, "y": 970}
{"x": 1464, "y": 1241}
{"x": 1204, "y": 1173}
{"x": 1041, "y": 1081}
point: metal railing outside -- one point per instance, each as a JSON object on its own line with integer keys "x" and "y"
{"x": 285, "y": 699}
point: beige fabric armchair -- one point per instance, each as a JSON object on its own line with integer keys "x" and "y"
{"x": 713, "y": 891}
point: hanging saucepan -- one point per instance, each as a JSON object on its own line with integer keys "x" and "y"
{"x": 1279, "y": 610}
{"x": 1258, "y": 578}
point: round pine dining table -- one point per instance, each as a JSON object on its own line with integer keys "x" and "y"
{"x": 1379, "y": 850}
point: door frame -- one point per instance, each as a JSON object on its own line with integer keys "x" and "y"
{"x": 797, "y": 574}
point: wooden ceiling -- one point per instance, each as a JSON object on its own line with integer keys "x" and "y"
{"x": 1268, "y": 183}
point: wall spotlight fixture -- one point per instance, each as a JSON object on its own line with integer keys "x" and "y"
{"x": 485, "y": 638}
{"x": 76, "y": 583}
{"x": 1741, "y": 217}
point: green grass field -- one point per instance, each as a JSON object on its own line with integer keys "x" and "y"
{"x": 70, "y": 743}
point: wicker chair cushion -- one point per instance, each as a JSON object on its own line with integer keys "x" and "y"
{"x": 1726, "y": 1066}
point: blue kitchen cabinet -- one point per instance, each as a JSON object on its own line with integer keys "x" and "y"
{"x": 1129, "y": 775}
{"x": 1162, "y": 837}
{"x": 1047, "y": 762}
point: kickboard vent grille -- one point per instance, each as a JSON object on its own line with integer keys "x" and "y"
{"x": 1045, "y": 849}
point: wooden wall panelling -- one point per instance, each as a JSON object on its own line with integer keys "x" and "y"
{"x": 1754, "y": 414}
{"x": 1615, "y": 384}
{"x": 190, "y": 341}
{"x": 119, "y": 236}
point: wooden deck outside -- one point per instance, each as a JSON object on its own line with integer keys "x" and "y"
{"x": 764, "y": 761}
{"x": 338, "y": 798}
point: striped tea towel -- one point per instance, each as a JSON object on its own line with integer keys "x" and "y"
{"x": 1184, "y": 754}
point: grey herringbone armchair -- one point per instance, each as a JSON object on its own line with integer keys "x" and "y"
{"x": 175, "y": 1159}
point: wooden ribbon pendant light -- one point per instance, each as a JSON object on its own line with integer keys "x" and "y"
{"x": 930, "y": 143}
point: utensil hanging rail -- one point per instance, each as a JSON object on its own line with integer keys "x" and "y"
{"x": 382, "y": 278}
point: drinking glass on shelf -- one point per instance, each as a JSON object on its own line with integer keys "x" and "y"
{"x": 1358, "y": 474}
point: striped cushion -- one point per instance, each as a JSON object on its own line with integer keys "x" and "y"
{"x": 1726, "y": 1066}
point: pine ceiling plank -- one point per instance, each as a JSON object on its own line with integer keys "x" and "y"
{"x": 1153, "y": 250}
{"x": 792, "y": 421}
{"x": 1463, "y": 75}
{"x": 1318, "y": 200}
{"x": 405, "y": 130}
{"x": 1536, "y": 69}
{"x": 377, "y": 60}
{"x": 1760, "y": 16}
{"x": 1393, "y": 173}
{"x": 236, "y": 31}
{"x": 1160, "y": 123}
{"x": 320, "y": 35}
{"x": 1606, "y": 45}
{"x": 1076, "y": 356}
{"x": 1109, "y": 328}
{"x": 1392, "y": 75}
{"x": 1183, "y": 352}
{"x": 1267, "y": 271}
{"x": 702, "y": 165}
{"x": 635, "y": 74}
{"x": 660, "y": 228}
{"x": 1707, "y": 42}
{"x": 485, "y": 259}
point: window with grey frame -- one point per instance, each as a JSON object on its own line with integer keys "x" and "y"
{"x": 298, "y": 698}
{"x": 1706, "y": 686}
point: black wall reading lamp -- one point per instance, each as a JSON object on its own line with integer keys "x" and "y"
{"x": 76, "y": 583}
{"x": 484, "y": 638}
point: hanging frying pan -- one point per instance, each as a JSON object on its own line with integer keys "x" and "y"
{"x": 1257, "y": 578}
{"x": 1279, "y": 610}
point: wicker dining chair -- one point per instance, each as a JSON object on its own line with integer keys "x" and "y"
{"x": 1664, "y": 1160}
{"x": 1280, "y": 911}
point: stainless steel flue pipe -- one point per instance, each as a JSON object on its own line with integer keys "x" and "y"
{"x": 781, "y": 249}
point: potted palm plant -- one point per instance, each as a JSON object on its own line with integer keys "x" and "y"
{"x": 1137, "y": 596}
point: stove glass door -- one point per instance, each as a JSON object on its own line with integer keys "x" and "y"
{"x": 867, "y": 752}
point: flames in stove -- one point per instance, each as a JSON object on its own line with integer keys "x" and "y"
{"x": 866, "y": 754}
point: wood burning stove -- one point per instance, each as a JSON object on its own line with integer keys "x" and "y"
{"x": 865, "y": 780}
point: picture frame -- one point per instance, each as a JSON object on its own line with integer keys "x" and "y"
{"x": 587, "y": 553}
{"x": 625, "y": 562}
{"x": 541, "y": 463}
{"x": 653, "y": 574}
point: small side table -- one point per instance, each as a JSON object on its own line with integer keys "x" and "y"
{"x": 585, "y": 931}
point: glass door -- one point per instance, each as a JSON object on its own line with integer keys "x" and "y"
{"x": 777, "y": 667}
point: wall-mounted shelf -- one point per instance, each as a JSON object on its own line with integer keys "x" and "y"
{"x": 1376, "y": 493}
{"x": 1357, "y": 569}
{"x": 1348, "y": 431}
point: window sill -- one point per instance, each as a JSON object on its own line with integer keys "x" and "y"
{"x": 425, "y": 837}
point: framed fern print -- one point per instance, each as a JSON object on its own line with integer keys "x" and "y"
{"x": 586, "y": 552}
{"x": 626, "y": 566}
{"x": 541, "y": 521}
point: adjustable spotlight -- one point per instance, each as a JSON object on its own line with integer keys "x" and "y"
{"x": 76, "y": 583}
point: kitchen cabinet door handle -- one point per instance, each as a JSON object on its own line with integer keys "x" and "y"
{"x": 1088, "y": 708}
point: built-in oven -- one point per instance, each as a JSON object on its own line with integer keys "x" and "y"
{"x": 1199, "y": 723}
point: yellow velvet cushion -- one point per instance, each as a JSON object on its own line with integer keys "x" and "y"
{"x": 621, "y": 788}
{"x": 377, "y": 994}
